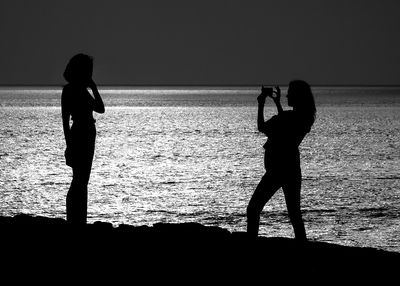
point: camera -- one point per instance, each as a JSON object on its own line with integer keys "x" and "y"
{"x": 267, "y": 91}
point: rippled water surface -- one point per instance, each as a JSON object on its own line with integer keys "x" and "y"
{"x": 194, "y": 154}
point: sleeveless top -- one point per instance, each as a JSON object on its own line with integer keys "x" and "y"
{"x": 285, "y": 133}
{"x": 80, "y": 103}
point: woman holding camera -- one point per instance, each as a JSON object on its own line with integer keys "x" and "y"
{"x": 285, "y": 132}
{"x": 78, "y": 104}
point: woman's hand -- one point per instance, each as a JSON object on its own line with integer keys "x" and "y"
{"x": 92, "y": 85}
{"x": 276, "y": 94}
{"x": 261, "y": 99}
{"x": 98, "y": 102}
{"x": 277, "y": 98}
{"x": 265, "y": 92}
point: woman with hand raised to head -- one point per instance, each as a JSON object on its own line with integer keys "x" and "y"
{"x": 285, "y": 132}
{"x": 77, "y": 104}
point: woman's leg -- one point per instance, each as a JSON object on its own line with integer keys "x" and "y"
{"x": 70, "y": 202}
{"x": 292, "y": 190}
{"x": 77, "y": 197}
{"x": 262, "y": 194}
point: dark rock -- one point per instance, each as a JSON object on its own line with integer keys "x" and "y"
{"x": 99, "y": 226}
{"x": 183, "y": 249}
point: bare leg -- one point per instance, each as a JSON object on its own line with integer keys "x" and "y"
{"x": 262, "y": 194}
{"x": 292, "y": 189}
{"x": 77, "y": 197}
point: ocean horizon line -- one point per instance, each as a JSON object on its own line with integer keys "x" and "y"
{"x": 200, "y": 85}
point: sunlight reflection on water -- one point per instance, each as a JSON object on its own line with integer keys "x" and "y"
{"x": 201, "y": 163}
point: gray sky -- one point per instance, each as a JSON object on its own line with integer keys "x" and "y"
{"x": 202, "y": 42}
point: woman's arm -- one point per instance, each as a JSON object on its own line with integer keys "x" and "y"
{"x": 98, "y": 102}
{"x": 277, "y": 99}
{"x": 260, "y": 113}
{"x": 263, "y": 126}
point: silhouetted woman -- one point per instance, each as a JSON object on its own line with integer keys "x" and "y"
{"x": 77, "y": 104}
{"x": 285, "y": 132}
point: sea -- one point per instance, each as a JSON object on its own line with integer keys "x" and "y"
{"x": 180, "y": 154}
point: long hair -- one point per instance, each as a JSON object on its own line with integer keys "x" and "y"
{"x": 79, "y": 68}
{"x": 304, "y": 100}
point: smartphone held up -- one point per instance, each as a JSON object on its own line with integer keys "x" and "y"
{"x": 269, "y": 91}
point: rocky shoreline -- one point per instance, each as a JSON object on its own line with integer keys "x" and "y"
{"x": 172, "y": 251}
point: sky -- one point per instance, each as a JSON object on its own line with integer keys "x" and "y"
{"x": 203, "y": 42}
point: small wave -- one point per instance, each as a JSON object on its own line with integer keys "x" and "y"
{"x": 110, "y": 185}
{"x": 169, "y": 183}
{"x": 388, "y": 178}
{"x": 320, "y": 211}
{"x": 380, "y": 212}
{"x": 364, "y": 228}
{"x": 156, "y": 157}
{"x": 54, "y": 184}
{"x": 160, "y": 211}
{"x": 377, "y": 209}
